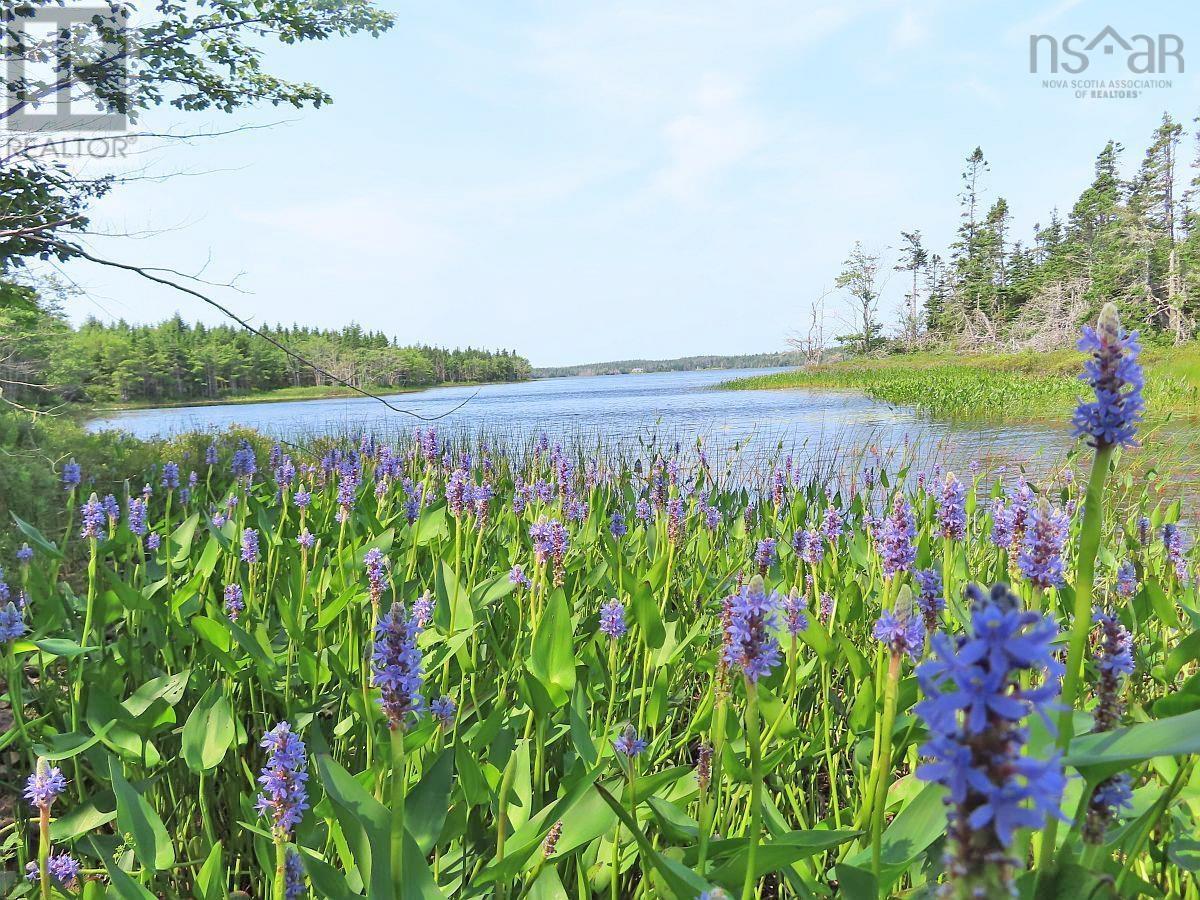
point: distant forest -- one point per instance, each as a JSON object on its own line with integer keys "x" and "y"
{"x": 682, "y": 364}
{"x": 1133, "y": 238}
{"x": 41, "y": 355}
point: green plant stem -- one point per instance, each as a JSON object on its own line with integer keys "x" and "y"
{"x": 279, "y": 889}
{"x": 891, "y": 689}
{"x": 756, "y": 781}
{"x": 397, "y": 832}
{"x": 1081, "y": 623}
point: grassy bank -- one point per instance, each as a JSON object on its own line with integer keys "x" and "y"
{"x": 1023, "y": 386}
{"x": 280, "y": 395}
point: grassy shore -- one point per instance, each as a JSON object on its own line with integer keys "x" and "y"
{"x": 280, "y": 395}
{"x": 1024, "y": 386}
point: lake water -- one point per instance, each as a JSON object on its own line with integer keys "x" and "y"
{"x": 627, "y": 411}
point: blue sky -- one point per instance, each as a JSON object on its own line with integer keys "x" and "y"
{"x": 599, "y": 181}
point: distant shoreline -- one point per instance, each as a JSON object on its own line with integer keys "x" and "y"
{"x": 281, "y": 395}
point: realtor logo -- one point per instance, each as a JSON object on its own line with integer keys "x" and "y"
{"x": 66, "y": 70}
{"x": 1143, "y": 54}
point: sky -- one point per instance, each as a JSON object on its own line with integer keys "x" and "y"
{"x": 595, "y": 181}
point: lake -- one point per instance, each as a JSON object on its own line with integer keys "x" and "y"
{"x": 626, "y": 410}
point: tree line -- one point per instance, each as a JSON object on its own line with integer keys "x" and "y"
{"x": 681, "y": 364}
{"x": 43, "y": 356}
{"x": 1134, "y": 240}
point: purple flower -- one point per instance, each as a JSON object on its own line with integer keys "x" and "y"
{"x": 137, "y": 516}
{"x": 153, "y": 541}
{"x": 612, "y": 619}
{"x": 952, "y": 509}
{"x": 901, "y": 633}
{"x": 284, "y": 797}
{"x": 244, "y": 463}
{"x": 642, "y": 510}
{"x": 795, "y": 616}
{"x": 306, "y": 539}
{"x": 676, "y": 516}
{"x": 62, "y": 867}
{"x": 628, "y": 744}
{"x": 443, "y": 709}
{"x": 1143, "y": 531}
{"x": 1040, "y": 559}
{"x": 170, "y": 476}
{"x": 930, "y": 599}
{"x": 24, "y": 553}
{"x": 1173, "y": 543}
{"x": 210, "y": 454}
{"x": 616, "y": 525}
{"x": 303, "y": 498}
{"x": 293, "y": 875}
{"x": 518, "y": 577}
{"x": 896, "y": 538}
{"x": 44, "y": 785}
{"x": 376, "y": 565}
{"x": 94, "y": 518}
{"x": 712, "y": 517}
{"x": 112, "y": 508}
{"x": 1115, "y": 375}
{"x": 71, "y": 475}
{"x": 12, "y": 623}
{"x": 826, "y": 608}
{"x": 397, "y": 666}
{"x": 751, "y": 619}
{"x": 422, "y": 609}
{"x": 1002, "y": 524}
{"x": 250, "y": 546}
{"x": 1114, "y": 658}
{"x": 975, "y": 709}
{"x": 234, "y": 604}
{"x": 457, "y": 490}
{"x": 764, "y": 554}
{"x": 831, "y": 524}
{"x": 1127, "y": 580}
{"x": 1111, "y": 795}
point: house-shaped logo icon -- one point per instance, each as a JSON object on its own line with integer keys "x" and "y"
{"x": 1142, "y": 54}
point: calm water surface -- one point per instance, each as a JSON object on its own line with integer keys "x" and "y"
{"x": 625, "y": 410}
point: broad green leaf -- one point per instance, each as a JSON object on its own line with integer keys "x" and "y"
{"x": 151, "y": 843}
{"x": 647, "y": 616}
{"x": 209, "y": 730}
{"x": 552, "y": 660}
{"x": 36, "y": 538}
{"x": 429, "y": 802}
{"x": 121, "y": 886}
{"x": 1097, "y": 756}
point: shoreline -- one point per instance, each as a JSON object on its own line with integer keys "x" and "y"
{"x": 282, "y": 395}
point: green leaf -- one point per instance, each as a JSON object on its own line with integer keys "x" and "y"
{"x": 122, "y": 886}
{"x": 36, "y": 537}
{"x": 552, "y": 660}
{"x": 683, "y": 881}
{"x": 210, "y": 882}
{"x": 1185, "y": 651}
{"x": 209, "y": 731}
{"x": 781, "y": 852}
{"x": 151, "y": 843}
{"x": 1097, "y": 756}
{"x": 646, "y": 614}
{"x": 428, "y": 803}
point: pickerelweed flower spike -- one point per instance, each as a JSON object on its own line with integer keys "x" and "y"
{"x": 612, "y": 619}
{"x": 1041, "y": 556}
{"x": 1114, "y": 659}
{"x": 12, "y": 623}
{"x": 293, "y": 875}
{"x": 63, "y": 869}
{"x": 250, "y": 546}
{"x": 628, "y": 743}
{"x": 234, "y": 604}
{"x": 952, "y": 509}
{"x": 975, "y": 710}
{"x": 901, "y": 633}
{"x": 1116, "y": 377}
{"x": 896, "y": 538}
{"x": 284, "y": 797}
{"x": 44, "y": 785}
{"x": 397, "y": 666}
{"x": 750, "y": 643}
{"x": 71, "y": 475}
